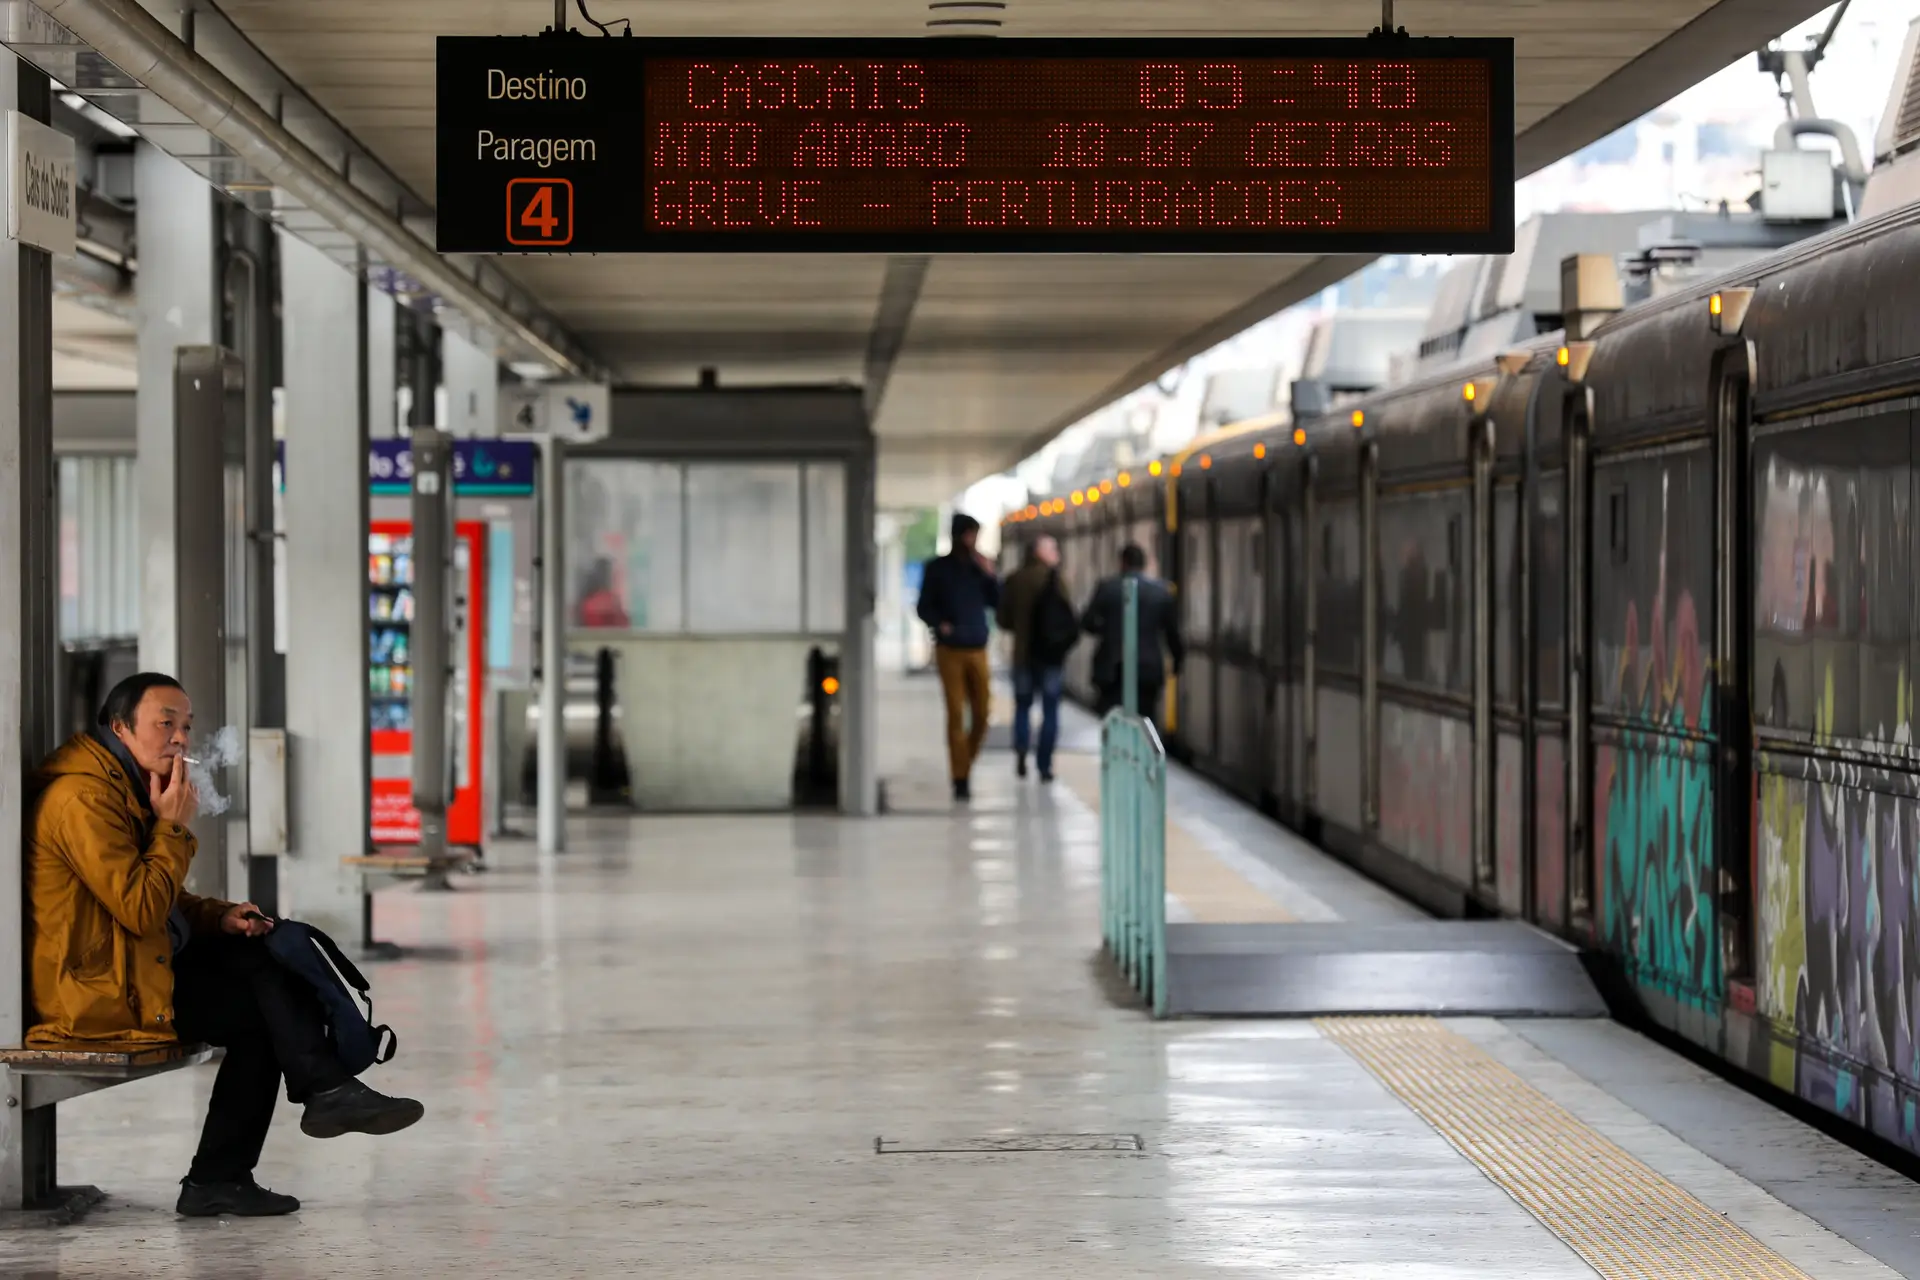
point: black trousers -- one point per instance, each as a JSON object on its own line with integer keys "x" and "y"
{"x": 228, "y": 991}
{"x": 1149, "y": 692}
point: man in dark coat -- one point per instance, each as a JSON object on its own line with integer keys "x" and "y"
{"x": 1159, "y": 623}
{"x": 958, "y": 593}
{"x": 1034, "y": 609}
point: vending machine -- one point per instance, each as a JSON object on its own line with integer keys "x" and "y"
{"x": 391, "y": 571}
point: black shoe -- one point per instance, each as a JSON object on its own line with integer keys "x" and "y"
{"x": 1020, "y": 765}
{"x": 962, "y": 790}
{"x": 1046, "y": 775}
{"x": 354, "y": 1108}
{"x": 243, "y": 1199}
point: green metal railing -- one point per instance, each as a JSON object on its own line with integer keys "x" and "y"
{"x": 1133, "y": 829}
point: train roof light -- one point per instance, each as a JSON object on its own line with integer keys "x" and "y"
{"x": 1300, "y": 434}
{"x": 830, "y": 686}
{"x": 1479, "y": 394}
{"x": 1093, "y": 494}
{"x": 1032, "y": 511}
{"x": 1561, "y": 357}
{"x": 1727, "y": 310}
{"x": 1106, "y": 486}
{"x": 1259, "y": 451}
{"x": 1468, "y": 392}
{"x": 1206, "y": 460}
{"x": 1578, "y": 355}
{"x": 1078, "y": 497}
{"x": 1359, "y": 418}
{"x": 1126, "y": 478}
{"x": 1176, "y": 471}
{"x": 1153, "y": 468}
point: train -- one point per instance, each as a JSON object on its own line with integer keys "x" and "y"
{"x": 1612, "y": 630}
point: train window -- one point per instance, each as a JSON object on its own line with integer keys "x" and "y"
{"x": 1423, "y": 637}
{"x": 1652, "y": 595}
{"x": 1506, "y": 595}
{"x": 1550, "y": 591}
{"x": 1832, "y": 568}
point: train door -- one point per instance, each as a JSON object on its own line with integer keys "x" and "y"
{"x": 1275, "y": 649}
{"x": 1733, "y": 591}
{"x": 1543, "y": 656}
{"x": 1579, "y": 526}
{"x": 1369, "y": 656}
{"x": 1480, "y": 558}
{"x": 1309, "y": 596}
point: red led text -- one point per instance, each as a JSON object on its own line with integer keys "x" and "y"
{"x": 807, "y": 86}
{"x": 1118, "y": 204}
{"x": 733, "y": 203}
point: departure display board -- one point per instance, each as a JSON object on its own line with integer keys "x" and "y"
{"x": 597, "y": 145}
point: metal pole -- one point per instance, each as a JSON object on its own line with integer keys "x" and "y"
{"x": 1130, "y": 646}
{"x": 552, "y": 793}
{"x": 430, "y": 637}
{"x": 559, "y": 17}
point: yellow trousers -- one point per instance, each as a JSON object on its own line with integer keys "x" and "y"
{"x": 964, "y": 680}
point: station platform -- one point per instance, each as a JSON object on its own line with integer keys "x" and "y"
{"x": 810, "y": 1046}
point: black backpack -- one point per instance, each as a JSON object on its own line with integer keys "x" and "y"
{"x": 344, "y": 994}
{"x": 1055, "y": 629}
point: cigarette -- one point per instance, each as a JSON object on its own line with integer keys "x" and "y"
{"x": 189, "y": 759}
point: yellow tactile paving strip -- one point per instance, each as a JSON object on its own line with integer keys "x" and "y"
{"x": 1208, "y": 888}
{"x": 1626, "y": 1220}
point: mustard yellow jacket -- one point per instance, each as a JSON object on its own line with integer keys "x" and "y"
{"x": 102, "y": 876}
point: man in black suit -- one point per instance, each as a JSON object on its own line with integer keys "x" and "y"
{"x": 1159, "y": 623}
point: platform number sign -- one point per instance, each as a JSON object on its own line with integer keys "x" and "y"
{"x": 540, "y": 212}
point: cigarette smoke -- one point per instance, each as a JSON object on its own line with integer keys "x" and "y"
{"x": 219, "y": 751}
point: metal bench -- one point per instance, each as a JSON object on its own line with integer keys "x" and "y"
{"x": 378, "y": 868}
{"x": 35, "y": 1079}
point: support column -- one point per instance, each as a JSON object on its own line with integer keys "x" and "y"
{"x": 178, "y": 307}
{"x": 326, "y": 552}
{"x": 859, "y": 705}
{"x": 552, "y": 817}
{"x": 29, "y": 625}
{"x": 382, "y": 368}
{"x": 472, "y": 380}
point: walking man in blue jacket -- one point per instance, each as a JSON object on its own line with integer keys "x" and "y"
{"x": 957, "y": 595}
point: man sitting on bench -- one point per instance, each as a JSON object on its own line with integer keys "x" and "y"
{"x": 120, "y": 953}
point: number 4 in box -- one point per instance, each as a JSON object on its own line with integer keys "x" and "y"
{"x": 540, "y": 212}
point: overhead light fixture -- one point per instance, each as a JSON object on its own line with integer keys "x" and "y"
{"x": 1359, "y": 417}
{"x": 1727, "y": 310}
{"x": 1574, "y": 358}
{"x": 1259, "y": 451}
{"x": 1300, "y": 434}
{"x": 1153, "y": 468}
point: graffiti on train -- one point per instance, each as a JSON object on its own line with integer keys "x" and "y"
{"x": 1426, "y": 789}
{"x": 1653, "y": 784}
{"x": 1550, "y": 830}
{"x": 1839, "y": 947}
{"x": 1510, "y": 879}
{"x": 1653, "y": 825}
